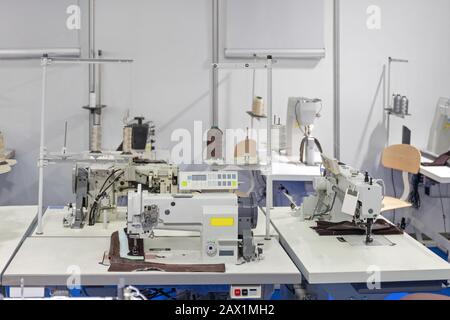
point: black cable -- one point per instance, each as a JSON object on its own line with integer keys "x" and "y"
{"x": 395, "y": 192}
{"x": 414, "y": 196}
{"x": 328, "y": 210}
{"x": 443, "y": 209}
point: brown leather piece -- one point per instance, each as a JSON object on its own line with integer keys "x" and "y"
{"x": 439, "y": 162}
{"x": 347, "y": 228}
{"x": 118, "y": 264}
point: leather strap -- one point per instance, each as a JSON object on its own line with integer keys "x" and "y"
{"x": 118, "y": 264}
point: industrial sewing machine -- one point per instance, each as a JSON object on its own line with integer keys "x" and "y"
{"x": 301, "y": 116}
{"x": 157, "y": 196}
{"x": 345, "y": 192}
{"x": 102, "y": 188}
{"x": 224, "y": 220}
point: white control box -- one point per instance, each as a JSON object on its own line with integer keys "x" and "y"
{"x": 245, "y": 292}
{"x": 211, "y": 180}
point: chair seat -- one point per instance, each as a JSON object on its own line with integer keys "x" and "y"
{"x": 390, "y": 204}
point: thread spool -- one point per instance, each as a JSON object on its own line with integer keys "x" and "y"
{"x": 405, "y": 105}
{"x": 127, "y": 140}
{"x": 96, "y": 139}
{"x": 398, "y": 104}
{"x": 258, "y": 106}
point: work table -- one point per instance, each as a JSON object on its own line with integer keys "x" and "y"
{"x": 326, "y": 260}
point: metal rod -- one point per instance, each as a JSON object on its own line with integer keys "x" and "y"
{"x": 337, "y": 81}
{"x": 276, "y": 53}
{"x": 41, "y": 163}
{"x": 389, "y": 84}
{"x": 30, "y": 54}
{"x": 269, "y": 184}
{"x": 215, "y": 59}
{"x": 398, "y": 60}
{"x": 388, "y": 98}
{"x": 88, "y": 61}
{"x": 65, "y": 136}
{"x": 91, "y": 45}
{"x": 241, "y": 65}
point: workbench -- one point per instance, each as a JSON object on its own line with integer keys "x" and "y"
{"x": 50, "y": 259}
{"x": 15, "y": 222}
{"x": 326, "y": 260}
{"x": 438, "y": 174}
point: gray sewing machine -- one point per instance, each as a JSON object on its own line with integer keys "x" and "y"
{"x": 102, "y": 188}
{"x": 344, "y": 193}
{"x": 224, "y": 220}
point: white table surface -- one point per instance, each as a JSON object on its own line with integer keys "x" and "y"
{"x": 325, "y": 260}
{"x": 53, "y": 227}
{"x": 14, "y": 223}
{"x": 438, "y": 174}
{"x": 50, "y": 261}
{"x": 290, "y": 169}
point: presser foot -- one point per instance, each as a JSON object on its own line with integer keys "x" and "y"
{"x": 136, "y": 247}
{"x": 369, "y": 238}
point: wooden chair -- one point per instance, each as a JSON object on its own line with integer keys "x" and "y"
{"x": 406, "y": 159}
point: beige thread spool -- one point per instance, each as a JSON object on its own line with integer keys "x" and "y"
{"x": 96, "y": 139}
{"x": 258, "y": 106}
{"x": 127, "y": 140}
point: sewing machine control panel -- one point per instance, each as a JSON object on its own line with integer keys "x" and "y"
{"x": 245, "y": 292}
{"x": 213, "y": 180}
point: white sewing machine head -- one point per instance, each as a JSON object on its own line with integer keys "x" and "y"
{"x": 224, "y": 220}
{"x": 344, "y": 192}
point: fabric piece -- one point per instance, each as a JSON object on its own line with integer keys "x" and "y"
{"x": 118, "y": 264}
{"x": 346, "y": 228}
{"x": 439, "y": 162}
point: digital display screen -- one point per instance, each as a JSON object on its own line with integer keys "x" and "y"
{"x": 199, "y": 178}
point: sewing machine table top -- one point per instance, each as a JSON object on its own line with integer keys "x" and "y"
{"x": 290, "y": 169}
{"x": 438, "y": 174}
{"x": 53, "y": 227}
{"x": 326, "y": 260}
{"x": 14, "y": 223}
{"x": 52, "y": 261}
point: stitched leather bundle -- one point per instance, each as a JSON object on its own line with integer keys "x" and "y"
{"x": 118, "y": 264}
{"x": 347, "y": 228}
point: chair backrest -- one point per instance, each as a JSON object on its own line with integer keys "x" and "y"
{"x": 402, "y": 157}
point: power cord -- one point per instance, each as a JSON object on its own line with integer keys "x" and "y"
{"x": 102, "y": 193}
{"x": 414, "y": 196}
{"x": 395, "y": 192}
{"x": 444, "y": 217}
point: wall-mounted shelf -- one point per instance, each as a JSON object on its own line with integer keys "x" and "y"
{"x": 389, "y": 107}
{"x": 256, "y": 116}
{"x": 391, "y": 111}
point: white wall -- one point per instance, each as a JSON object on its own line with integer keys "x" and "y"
{"x": 417, "y": 30}
{"x": 291, "y": 78}
{"x": 170, "y": 83}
